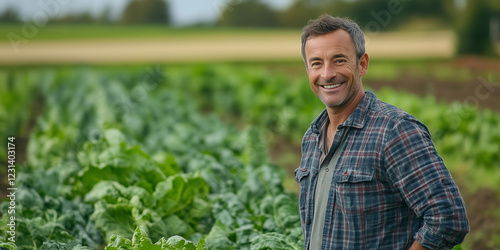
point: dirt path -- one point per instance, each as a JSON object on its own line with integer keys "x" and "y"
{"x": 237, "y": 47}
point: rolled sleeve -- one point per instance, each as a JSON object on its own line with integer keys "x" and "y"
{"x": 421, "y": 177}
{"x": 432, "y": 240}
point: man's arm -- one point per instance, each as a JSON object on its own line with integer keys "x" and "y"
{"x": 417, "y": 246}
{"x": 426, "y": 185}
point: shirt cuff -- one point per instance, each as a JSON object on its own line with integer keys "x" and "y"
{"x": 431, "y": 240}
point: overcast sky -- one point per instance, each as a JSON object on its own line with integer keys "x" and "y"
{"x": 183, "y": 12}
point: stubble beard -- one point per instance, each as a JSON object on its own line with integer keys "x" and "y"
{"x": 342, "y": 96}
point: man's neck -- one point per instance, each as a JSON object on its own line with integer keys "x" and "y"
{"x": 338, "y": 115}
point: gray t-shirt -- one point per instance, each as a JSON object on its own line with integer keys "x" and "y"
{"x": 322, "y": 190}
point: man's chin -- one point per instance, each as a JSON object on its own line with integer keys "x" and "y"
{"x": 333, "y": 104}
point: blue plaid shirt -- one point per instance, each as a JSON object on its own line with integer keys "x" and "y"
{"x": 390, "y": 187}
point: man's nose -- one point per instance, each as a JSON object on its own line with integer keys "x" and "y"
{"x": 328, "y": 72}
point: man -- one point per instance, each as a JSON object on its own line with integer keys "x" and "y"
{"x": 370, "y": 177}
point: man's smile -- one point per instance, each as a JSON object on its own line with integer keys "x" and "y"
{"x": 332, "y": 86}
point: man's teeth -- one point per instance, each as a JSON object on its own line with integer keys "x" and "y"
{"x": 331, "y": 86}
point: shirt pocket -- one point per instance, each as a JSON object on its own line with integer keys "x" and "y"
{"x": 356, "y": 190}
{"x": 302, "y": 178}
{"x": 300, "y": 173}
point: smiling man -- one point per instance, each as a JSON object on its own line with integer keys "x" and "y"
{"x": 370, "y": 177}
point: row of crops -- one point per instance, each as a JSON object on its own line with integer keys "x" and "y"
{"x": 103, "y": 166}
{"x": 466, "y": 137}
{"x": 136, "y": 158}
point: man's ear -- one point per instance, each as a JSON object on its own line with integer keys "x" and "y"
{"x": 363, "y": 64}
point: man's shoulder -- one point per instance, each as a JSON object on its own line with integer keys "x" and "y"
{"x": 393, "y": 116}
{"x": 379, "y": 108}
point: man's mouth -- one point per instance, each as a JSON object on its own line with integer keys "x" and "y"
{"x": 332, "y": 86}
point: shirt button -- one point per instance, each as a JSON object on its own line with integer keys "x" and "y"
{"x": 327, "y": 169}
{"x": 303, "y": 170}
{"x": 346, "y": 173}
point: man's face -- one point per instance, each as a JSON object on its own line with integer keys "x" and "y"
{"x": 334, "y": 75}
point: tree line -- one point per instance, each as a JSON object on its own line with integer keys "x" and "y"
{"x": 136, "y": 12}
{"x": 476, "y": 23}
{"x": 388, "y": 13}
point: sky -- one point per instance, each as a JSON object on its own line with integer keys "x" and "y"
{"x": 182, "y": 12}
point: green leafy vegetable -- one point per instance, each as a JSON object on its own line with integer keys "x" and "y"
{"x": 141, "y": 241}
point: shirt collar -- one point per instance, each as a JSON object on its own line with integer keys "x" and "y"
{"x": 355, "y": 120}
{"x": 317, "y": 123}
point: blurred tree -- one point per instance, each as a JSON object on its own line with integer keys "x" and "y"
{"x": 81, "y": 18}
{"x": 388, "y": 14}
{"x": 450, "y": 9}
{"x": 10, "y": 15}
{"x": 298, "y": 14}
{"x": 473, "y": 32}
{"x": 105, "y": 16}
{"x": 426, "y": 8}
{"x": 248, "y": 13}
{"x": 372, "y": 15}
{"x": 146, "y": 12}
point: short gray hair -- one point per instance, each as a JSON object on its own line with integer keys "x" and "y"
{"x": 326, "y": 24}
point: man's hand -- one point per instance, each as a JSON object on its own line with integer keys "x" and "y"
{"x": 417, "y": 246}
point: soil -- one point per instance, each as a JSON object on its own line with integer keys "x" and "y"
{"x": 482, "y": 91}
{"x": 475, "y": 93}
{"x": 21, "y": 143}
{"x": 484, "y": 218}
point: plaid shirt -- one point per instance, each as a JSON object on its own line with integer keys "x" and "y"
{"x": 390, "y": 187}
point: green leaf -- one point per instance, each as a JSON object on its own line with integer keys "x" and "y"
{"x": 90, "y": 175}
{"x": 244, "y": 234}
{"x": 128, "y": 165}
{"x": 200, "y": 244}
{"x": 266, "y": 205}
{"x": 273, "y": 241}
{"x": 114, "y": 192}
{"x": 53, "y": 245}
{"x": 108, "y": 191}
{"x": 218, "y": 238}
{"x": 177, "y": 192}
{"x": 271, "y": 177}
{"x": 114, "y": 218}
{"x": 167, "y": 164}
{"x": 159, "y": 227}
{"x": 30, "y": 202}
{"x": 252, "y": 186}
{"x": 9, "y": 245}
{"x": 177, "y": 242}
{"x": 286, "y": 213}
{"x": 117, "y": 242}
{"x": 114, "y": 136}
{"x": 177, "y": 226}
{"x": 141, "y": 241}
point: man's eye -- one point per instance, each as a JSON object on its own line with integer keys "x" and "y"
{"x": 315, "y": 64}
{"x": 341, "y": 61}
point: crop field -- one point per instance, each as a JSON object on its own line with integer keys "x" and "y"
{"x": 189, "y": 153}
{"x": 111, "y": 154}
